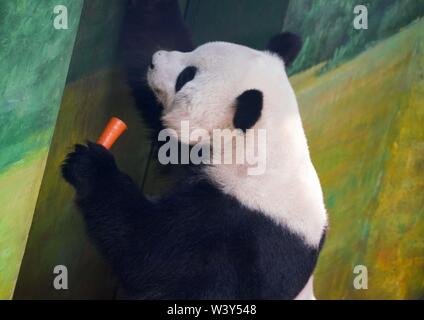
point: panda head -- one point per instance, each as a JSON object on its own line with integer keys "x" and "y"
{"x": 223, "y": 85}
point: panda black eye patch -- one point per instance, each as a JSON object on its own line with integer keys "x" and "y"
{"x": 185, "y": 76}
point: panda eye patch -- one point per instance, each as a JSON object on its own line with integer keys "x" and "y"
{"x": 185, "y": 76}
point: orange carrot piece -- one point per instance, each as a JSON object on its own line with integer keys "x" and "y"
{"x": 113, "y": 130}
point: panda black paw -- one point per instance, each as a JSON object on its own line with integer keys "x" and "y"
{"x": 88, "y": 166}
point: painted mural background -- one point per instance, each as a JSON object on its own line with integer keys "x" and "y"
{"x": 34, "y": 60}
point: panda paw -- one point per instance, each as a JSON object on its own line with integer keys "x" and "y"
{"x": 88, "y": 166}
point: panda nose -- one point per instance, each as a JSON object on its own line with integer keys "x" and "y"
{"x": 158, "y": 56}
{"x": 151, "y": 65}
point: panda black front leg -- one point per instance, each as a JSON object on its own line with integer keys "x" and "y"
{"x": 113, "y": 207}
{"x": 87, "y": 167}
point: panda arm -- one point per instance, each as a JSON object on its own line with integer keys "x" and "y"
{"x": 113, "y": 207}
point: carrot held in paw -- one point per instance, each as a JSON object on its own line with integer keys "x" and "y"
{"x": 113, "y": 130}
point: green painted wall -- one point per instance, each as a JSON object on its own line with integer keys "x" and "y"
{"x": 327, "y": 27}
{"x": 34, "y": 60}
{"x": 248, "y": 22}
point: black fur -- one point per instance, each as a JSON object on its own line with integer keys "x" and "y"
{"x": 195, "y": 243}
{"x": 287, "y": 45}
{"x": 184, "y": 77}
{"x": 248, "y": 109}
{"x": 149, "y": 26}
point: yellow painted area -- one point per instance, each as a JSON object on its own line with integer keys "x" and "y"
{"x": 365, "y": 126}
{"x": 19, "y": 186}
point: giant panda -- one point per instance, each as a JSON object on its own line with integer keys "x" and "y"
{"x": 221, "y": 233}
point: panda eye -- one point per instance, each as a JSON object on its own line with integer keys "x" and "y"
{"x": 185, "y": 76}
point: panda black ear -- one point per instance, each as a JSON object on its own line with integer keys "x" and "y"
{"x": 287, "y": 45}
{"x": 248, "y": 109}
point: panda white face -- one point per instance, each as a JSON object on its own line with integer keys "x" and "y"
{"x": 217, "y": 86}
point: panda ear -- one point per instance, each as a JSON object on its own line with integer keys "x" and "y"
{"x": 248, "y": 109}
{"x": 287, "y": 45}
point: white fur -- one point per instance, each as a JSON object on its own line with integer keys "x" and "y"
{"x": 289, "y": 191}
{"x": 307, "y": 292}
